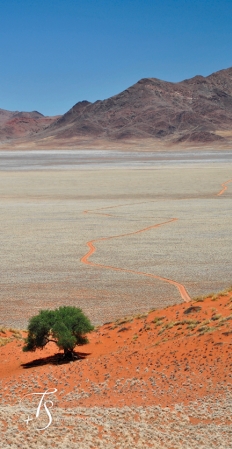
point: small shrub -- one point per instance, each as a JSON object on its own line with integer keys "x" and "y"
{"x": 192, "y": 309}
{"x": 142, "y": 315}
{"x": 205, "y": 322}
{"x": 191, "y": 326}
{"x": 123, "y": 329}
{"x": 170, "y": 325}
{"x": 123, "y": 321}
{"x": 158, "y": 320}
{"x": 216, "y": 317}
{"x": 4, "y": 341}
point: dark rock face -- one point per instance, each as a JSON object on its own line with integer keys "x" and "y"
{"x": 191, "y": 110}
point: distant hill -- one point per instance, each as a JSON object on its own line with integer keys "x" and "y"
{"x": 15, "y": 124}
{"x": 197, "y": 109}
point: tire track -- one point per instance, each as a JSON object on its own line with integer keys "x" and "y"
{"x": 92, "y": 249}
{"x": 93, "y": 211}
{"x": 224, "y": 187}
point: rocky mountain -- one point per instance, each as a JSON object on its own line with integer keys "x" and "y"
{"x": 20, "y": 124}
{"x": 197, "y": 109}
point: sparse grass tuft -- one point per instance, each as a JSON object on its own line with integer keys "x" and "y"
{"x": 142, "y": 315}
{"x": 188, "y": 322}
{"x": 13, "y": 330}
{"x": 191, "y": 326}
{"x": 4, "y": 341}
{"x": 205, "y": 329}
{"x": 205, "y": 322}
{"x": 170, "y": 324}
{"x": 157, "y": 343}
{"x": 216, "y": 317}
{"x": 158, "y": 320}
{"x": 199, "y": 299}
{"x": 123, "y": 321}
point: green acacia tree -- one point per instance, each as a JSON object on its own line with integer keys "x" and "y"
{"x": 66, "y": 326}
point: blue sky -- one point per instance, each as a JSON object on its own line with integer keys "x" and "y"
{"x": 54, "y": 53}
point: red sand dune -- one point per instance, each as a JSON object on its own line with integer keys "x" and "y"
{"x": 167, "y": 356}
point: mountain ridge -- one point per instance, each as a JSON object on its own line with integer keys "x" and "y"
{"x": 197, "y": 109}
{"x": 152, "y": 108}
{"x": 16, "y": 124}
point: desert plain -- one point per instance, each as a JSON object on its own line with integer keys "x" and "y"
{"x": 166, "y": 220}
{"x": 119, "y": 239}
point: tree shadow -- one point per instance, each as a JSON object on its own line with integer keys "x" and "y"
{"x": 56, "y": 359}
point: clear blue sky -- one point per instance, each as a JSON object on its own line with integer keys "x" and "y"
{"x": 54, "y": 53}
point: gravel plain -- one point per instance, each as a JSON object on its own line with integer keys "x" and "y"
{"x": 48, "y": 216}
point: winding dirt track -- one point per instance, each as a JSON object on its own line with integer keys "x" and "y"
{"x": 93, "y": 211}
{"x": 92, "y": 249}
{"x": 224, "y": 187}
{"x": 85, "y": 259}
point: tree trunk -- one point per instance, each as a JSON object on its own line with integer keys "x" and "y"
{"x": 68, "y": 354}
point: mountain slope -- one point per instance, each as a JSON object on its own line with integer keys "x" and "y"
{"x": 19, "y": 124}
{"x": 152, "y": 108}
{"x": 198, "y": 109}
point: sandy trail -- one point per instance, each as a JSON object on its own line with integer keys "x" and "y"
{"x": 224, "y": 187}
{"x": 92, "y": 249}
{"x": 93, "y": 211}
{"x": 85, "y": 259}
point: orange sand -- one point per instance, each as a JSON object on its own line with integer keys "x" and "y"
{"x": 224, "y": 187}
{"x": 165, "y": 357}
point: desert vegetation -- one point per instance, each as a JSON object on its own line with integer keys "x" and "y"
{"x": 160, "y": 379}
{"x": 66, "y": 327}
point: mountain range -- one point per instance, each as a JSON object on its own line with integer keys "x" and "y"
{"x": 198, "y": 109}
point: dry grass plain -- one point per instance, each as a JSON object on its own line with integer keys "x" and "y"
{"x": 47, "y": 218}
{"x": 125, "y": 428}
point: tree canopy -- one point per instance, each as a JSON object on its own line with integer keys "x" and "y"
{"x": 66, "y": 326}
